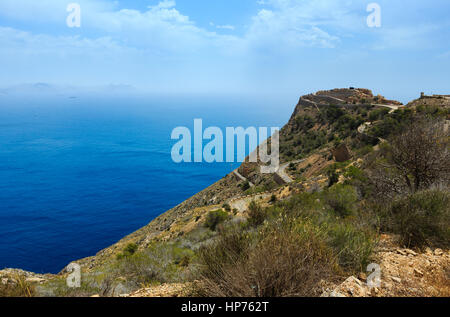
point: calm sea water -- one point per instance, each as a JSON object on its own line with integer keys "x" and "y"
{"x": 77, "y": 175}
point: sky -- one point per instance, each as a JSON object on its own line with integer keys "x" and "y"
{"x": 259, "y": 47}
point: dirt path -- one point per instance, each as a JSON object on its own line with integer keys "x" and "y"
{"x": 243, "y": 178}
{"x": 282, "y": 171}
{"x": 241, "y": 204}
{"x": 363, "y": 127}
{"x": 392, "y": 107}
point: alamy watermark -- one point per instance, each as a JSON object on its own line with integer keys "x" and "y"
{"x": 74, "y": 18}
{"x": 73, "y": 280}
{"x": 374, "y": 18}
{"x": 213, "y": 151}
{"x": 374, "y": 279}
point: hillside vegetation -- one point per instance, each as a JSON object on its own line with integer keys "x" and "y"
{"x": 367, "y": 183}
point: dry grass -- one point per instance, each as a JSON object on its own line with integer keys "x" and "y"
{"x": 441, "y": 283}
{"x": 285, "y": 262}
{"x": 20, "y": 288}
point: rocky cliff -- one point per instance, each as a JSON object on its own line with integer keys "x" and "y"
{"x": 329, "y": 134}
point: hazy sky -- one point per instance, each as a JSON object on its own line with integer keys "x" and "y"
{"x": 229, "y": 46}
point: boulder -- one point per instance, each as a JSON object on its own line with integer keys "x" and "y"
{"x": 341, "y": 153}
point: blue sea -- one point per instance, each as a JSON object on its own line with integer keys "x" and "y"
{"x": 78, "y": 174}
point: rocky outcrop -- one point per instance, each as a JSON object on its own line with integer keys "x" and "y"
{"x": 11, "y": 276}
{"x": 404, "y": 273}
{"x": 441, "y": 101}
{"x": 341, "y": 153}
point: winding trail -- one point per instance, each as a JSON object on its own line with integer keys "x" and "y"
{"x": 236, "y": 172}
{"x": 392, "y": 107}
{"x": 363, "y": 127}
{"x": 282, "y": 171}
{"x": 241, "y": 203}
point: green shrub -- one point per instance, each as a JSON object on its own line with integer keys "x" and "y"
{"x": 342, "y": 199}
{"x": 354, "y": 173}
{"x": 292, "y": 167}
{"x": 185, "y": 261}
{"x": 302, "y": 205}
{"x": 162, "y": 262}
{"x": 255, "y": 190}
{"x": 352, "y": 245}
{"x": 58, "y": 287}
{"x": 333, "y": 177}
{"x": 245, "y": 186}
{"x": 284, "y": 261}
{"x": 140, "y": 268}
{"x": 333, "y": 113}
{"x": 352, "y": 239}
{"x": 421, "y": 219}
{"x": 214, "y": 218}
{"x": 231, "y": 244}
{"x": 129, "y": 250}
{"x": 256, "y": 214}
{"x": 356, "y": 177}
{"x": 298, "y": 242}
{"x": 273, "y": 199}
{"x": 378, "y": 114}
{"x": 365, "y": 150}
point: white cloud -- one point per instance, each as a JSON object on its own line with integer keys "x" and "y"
{"x": 160, "y": 45}
{"x": 164, "y": 29}
{"x": 161, "y": 28}
{"x": 270, "y": 28}
{"x": 406, "y": 37}
{"x": 307, "y": 23}
{"x": 15, "y": 40}
{"x": 226, "y": 27}
{"x": 49, "y": 11}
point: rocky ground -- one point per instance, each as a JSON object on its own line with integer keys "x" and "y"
{"x": 404, "y": 273}
{"x": 164, "y": 290}
{"x": 10, "y": 276}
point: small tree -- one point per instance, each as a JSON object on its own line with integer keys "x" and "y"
{"x": 333, "y": 177}
{"x": 420, "y": 219}
{"x": 131, "y": 248}
{"x": 256, "y": 214}
{"x": 273, "y": 199}
{"x": 421, "y": 154}
{"x": 214, "y": 218}
{"x": 416, "y": 159}
{"x": 128, "y": 251}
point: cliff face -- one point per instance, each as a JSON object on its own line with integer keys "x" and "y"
{"x": 319, "y": 122}
{"x": 341, "y": 97}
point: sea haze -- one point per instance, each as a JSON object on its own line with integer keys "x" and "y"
{"x": 78, "y": 173}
